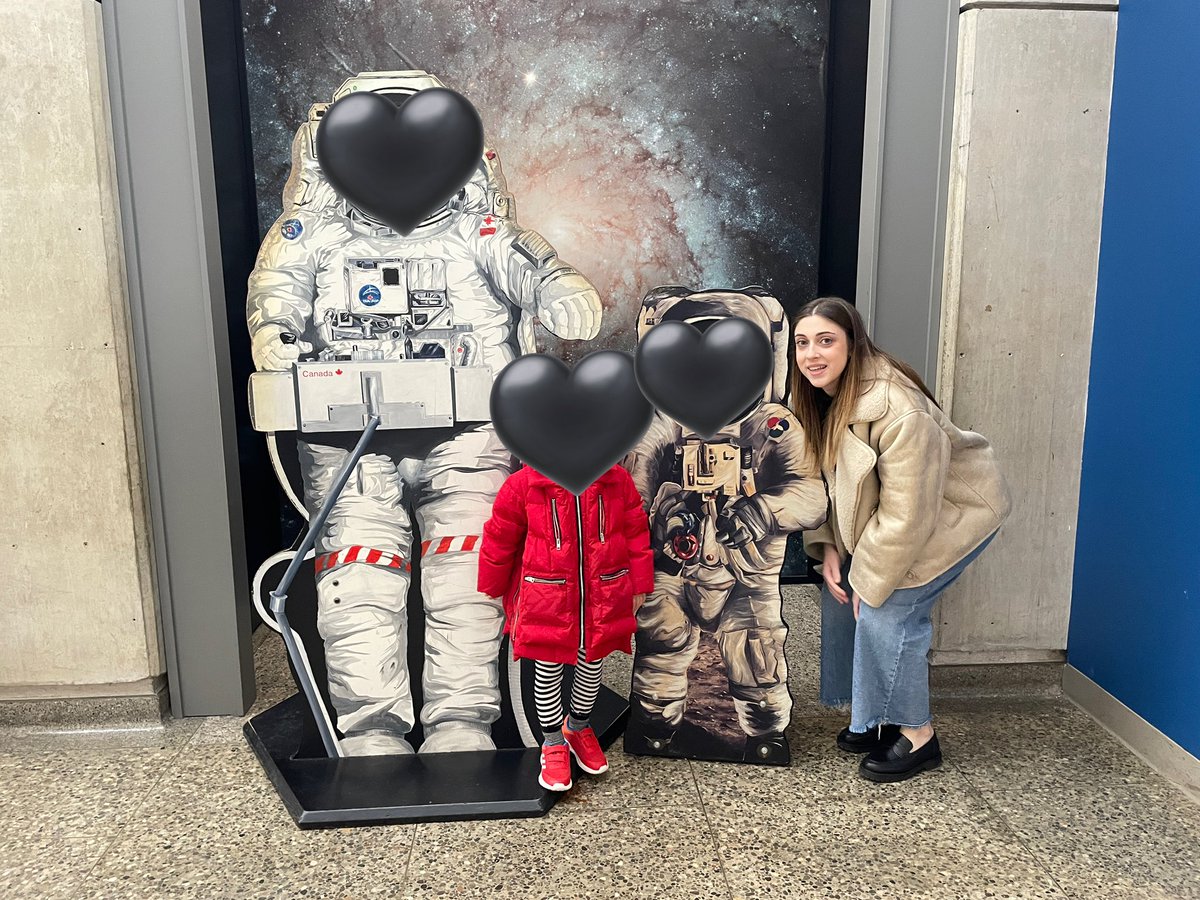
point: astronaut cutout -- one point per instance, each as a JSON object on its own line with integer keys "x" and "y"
{"x": 720, "y": 513}
{"x": 331, "y": 282}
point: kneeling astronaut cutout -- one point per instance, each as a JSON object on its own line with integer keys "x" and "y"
{"x": 720, "y": 512}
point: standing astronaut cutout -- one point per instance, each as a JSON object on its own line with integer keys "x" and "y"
{"x": 345, "y": 313}
{"x": 720, "y": 512}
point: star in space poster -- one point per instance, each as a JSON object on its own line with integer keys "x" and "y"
{"x": 654, "y": 142}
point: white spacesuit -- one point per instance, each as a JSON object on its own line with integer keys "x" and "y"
{"x": 331, "y": 282}
{"x": 720, "y": 512}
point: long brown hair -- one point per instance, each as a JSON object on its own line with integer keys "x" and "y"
{"x": 824, "y": 436}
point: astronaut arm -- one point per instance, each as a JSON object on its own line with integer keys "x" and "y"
{"x": 279, "y": 298}
{"x": 527, "y": 269}
{"x": 797, "y": 500}
{"x": 503, "y": 541}
{"x": 800, "y": 503}
{"x": 645, "y": 461}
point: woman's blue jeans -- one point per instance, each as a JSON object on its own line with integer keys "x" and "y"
{"x": 879, "y": 664}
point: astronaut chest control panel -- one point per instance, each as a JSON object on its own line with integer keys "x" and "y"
{"x": 716, "y": 469}
{"x": 711, "y": 474}
{"x": 412, "y": 292}
{"x": 387, "y": 344}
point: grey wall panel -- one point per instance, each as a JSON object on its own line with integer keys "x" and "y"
{"x": 910, "y": 81}
{"x": 168, "y": 209}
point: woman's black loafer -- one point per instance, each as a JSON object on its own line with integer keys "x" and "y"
{"x": 866, "y": 741}
{"x": 899, "y": 762}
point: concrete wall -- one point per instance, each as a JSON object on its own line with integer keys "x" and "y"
{"x": 76, "y": 603}
{"x": 1027, "y": 179}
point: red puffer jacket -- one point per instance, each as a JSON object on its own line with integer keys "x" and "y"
{"x": 532, "y": 555}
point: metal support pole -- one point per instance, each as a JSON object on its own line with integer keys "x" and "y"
{"x": 279, "y": 595}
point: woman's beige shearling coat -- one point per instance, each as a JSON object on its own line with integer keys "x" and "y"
{"x": 911, "y": 494}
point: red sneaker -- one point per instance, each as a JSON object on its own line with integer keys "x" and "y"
{"x": 586, "y": 749}
{"x": 556, "y": 768}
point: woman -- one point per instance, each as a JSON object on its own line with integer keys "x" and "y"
{"x": 913, "y": 501}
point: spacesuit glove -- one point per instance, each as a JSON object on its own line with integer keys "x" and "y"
{"x": 273, "y": 351}
{"x": 665, "y": 512}
{"x": 746, "y": 519}
{"x": 668, "y": 515}
{"x": 570, "y": 307}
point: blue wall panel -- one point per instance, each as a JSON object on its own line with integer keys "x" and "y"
{"x": 1135, "y": 615}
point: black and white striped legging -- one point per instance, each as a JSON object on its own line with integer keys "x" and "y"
{"x": 547, "y": 690}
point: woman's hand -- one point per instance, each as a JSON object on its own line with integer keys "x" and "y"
{"x": 638, "y": 600}
{"x": 856, "y": 602}
{"x": 832, "y": 572}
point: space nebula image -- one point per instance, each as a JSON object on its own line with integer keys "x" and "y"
{"x": 652, "y": 142}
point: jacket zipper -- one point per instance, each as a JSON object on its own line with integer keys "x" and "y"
{"x": 579, "y": 523}
{"x": 533, "y": 579}
{"x": 554, "y": 519}
{"x": 600, "y": 500}
{"x": 614, "y": 575}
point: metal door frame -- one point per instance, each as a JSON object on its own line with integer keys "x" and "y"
{"x": 906, "y": 174}
{"x": 159, "y": 102}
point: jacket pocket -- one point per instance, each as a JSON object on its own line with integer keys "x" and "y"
{"x": 547, "y": 612}
{"x": 600, "y": 504}
{"x": 554, "y": 523}
{"x": 614, "y": 599}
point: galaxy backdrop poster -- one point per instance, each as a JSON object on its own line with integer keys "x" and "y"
{"x": 652, "y": 143}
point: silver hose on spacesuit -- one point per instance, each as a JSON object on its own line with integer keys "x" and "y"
{"x": 279, "y": 595}
{"x": 282, "y": 476}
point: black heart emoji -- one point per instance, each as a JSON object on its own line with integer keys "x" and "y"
{"x": 399, "y": 164}
{"x": 570, "y": 425}
{"x": 704, "y": 380}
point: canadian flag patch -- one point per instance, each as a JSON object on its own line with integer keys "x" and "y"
{"x": 489, "y": 226}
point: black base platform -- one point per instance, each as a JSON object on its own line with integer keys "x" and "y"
{"x": 383, "y": 790}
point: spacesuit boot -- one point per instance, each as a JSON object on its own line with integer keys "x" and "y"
{"x": 761, "y": 710}
{"x": 375, "y": 743}
{"x": 667, "y": 641}
{"x": 757, "y": 670}
{"x": 652, "y": 725}
{"x": 763, "y": 713}
{"x": 767, "y": 748}
{"x": 361, "y": 618}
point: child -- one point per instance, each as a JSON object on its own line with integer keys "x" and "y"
{"x": 572, "y": 572}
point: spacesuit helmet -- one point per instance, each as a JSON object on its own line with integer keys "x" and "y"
{"x": 674, "y": 303}
{"x": 486, "y": 193}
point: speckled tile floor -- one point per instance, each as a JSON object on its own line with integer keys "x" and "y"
{"x": 1035, "y": 800}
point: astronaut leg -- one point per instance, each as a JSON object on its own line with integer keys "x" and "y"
{"x": 667, "y": 641}
{"x": 751, "y": 636}
{"x": 362, "y": 587}
{"x": 458, "y": 483}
